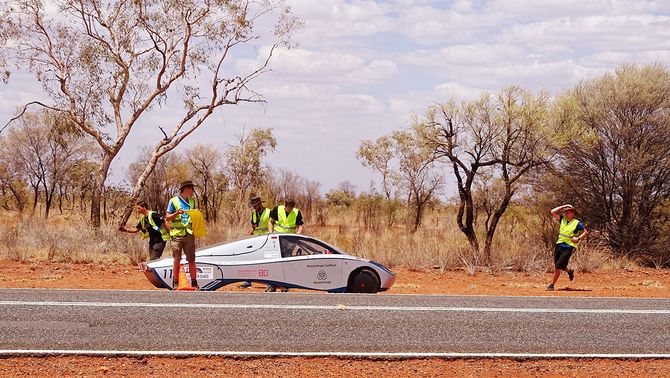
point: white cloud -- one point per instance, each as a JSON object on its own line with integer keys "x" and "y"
{"x": 323, "y": 66}
{"x": 363, "y": 68}
{"x": 336, "y": 19}
{"x": 629, "y": 32}
{"x": 476, "y": 54}
{"x": 376, "y": 71}
{"x": 617, "y": 58}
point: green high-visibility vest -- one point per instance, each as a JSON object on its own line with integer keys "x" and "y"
{"x": 165, "y": 235}
{"x": 286, "y": 222}
{"x": 178, "y": 228}
{"x": 262, "y": 227}
{"x": 567, "y": 232}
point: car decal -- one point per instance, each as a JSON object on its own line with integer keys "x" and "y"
{"x": 217, "y": 284}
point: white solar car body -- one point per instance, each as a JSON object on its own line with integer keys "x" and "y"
{"x": 285, "y": 260}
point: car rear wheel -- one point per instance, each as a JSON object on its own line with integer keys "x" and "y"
{"x": 363, "y": 281}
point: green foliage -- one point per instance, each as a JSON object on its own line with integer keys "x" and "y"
{"x": 616, "y": 164}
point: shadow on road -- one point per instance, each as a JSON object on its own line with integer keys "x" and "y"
{"x": 573, "y": 289}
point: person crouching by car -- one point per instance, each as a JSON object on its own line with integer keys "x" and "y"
{"x": 152, "y": 226}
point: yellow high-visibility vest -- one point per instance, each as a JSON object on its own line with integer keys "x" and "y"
{"x": 567, "y": 232}
{"x": 262, "y": 227}
{"x": 178, "y": 228}
{"x": 285, "y": 224}
{"x": 165, "y": 235}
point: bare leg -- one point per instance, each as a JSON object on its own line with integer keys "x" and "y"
{"x": 175, "y": 270}
{"x": 557, "y": 273}
{"x": 192, "y": 270}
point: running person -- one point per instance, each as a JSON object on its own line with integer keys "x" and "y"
{"x": 571, "y": 232}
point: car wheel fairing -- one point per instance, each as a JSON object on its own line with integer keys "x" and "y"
{"x": 363, "y": 281}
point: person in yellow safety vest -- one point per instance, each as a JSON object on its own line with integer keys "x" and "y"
{"x": 571, "y": 232}
{"x": 181, "y": 231}
{"x": 152, "y": 226}
{"x": 260, "y": 216}
{"x": 285, "y": 219}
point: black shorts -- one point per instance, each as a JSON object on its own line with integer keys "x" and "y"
{"x": 562, "y": 257}
{"x": 156, "y": 250}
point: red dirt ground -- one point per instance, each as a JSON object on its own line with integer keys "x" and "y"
{"x": 605, "y": 283}
{"x": 324, "y": 367}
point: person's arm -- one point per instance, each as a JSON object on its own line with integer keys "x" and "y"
{"x": 299, "y": 222}
{"x": 577, "y": 239}
{"x": 273, "y": 218}
{"x": 556, "y": 211}
{"x": 160, "y": 222}
{"x": 253, "y": 224}
{"x": 123, "y": 229}
{"x": 171, "y": 213}
{"x": 169, "y": 217}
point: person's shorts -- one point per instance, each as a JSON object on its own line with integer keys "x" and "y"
{"x": 562, "y": 256}
{"x": 185, "y": 245}
{"x": 156, "y": 250}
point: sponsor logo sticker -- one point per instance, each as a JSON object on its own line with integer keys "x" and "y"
{"x": 203, "y": 273}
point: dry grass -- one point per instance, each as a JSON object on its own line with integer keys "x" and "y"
{"x": 66, "y": 240}
{"x": 437, "y": 245}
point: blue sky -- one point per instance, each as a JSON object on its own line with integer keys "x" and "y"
{"x": 363, "y": 68}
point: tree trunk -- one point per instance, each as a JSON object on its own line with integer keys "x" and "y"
{"x": 418, "y": 213}
{"x": 47, "y": 204}
{"x": 104, "y": 205}
{"x": 20, "y": 205}
{"x": 466, "y": 208}
{"x": 60, "y": 199}
{"x": 48, "y": 199}
{"x": 495, "y": 219}
{"x": 137, "y": 189}
{"x": 99, "y": 188}
{"x": 36, "y": 190}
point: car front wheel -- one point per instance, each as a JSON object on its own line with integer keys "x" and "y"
{"x": 363, "y": 281}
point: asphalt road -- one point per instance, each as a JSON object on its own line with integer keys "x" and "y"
{"x": 93, "y": 320}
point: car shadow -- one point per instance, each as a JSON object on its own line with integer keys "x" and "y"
{"x": 573, "y": 289}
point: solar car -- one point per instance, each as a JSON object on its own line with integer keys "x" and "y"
{"x": 285, "y": 260}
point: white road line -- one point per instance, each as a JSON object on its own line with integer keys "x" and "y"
{"x": 340, "y": 307}
{"x": 315, "y": 293}
{"x": 400, "y": 355}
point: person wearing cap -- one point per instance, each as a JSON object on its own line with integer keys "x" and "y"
{"x": 260, "y": 216}
{"x": 152, "y": 226}
{"x": 571, "y": 232}
{"x": 285, "y": 219}
{"x": 181, "y": 231}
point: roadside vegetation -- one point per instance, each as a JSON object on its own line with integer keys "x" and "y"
{"x": 467, "y": 185}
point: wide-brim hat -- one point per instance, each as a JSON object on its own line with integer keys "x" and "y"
{"x": 253, "y": 201}
{"x": 570, "y": 208}
{"x": 186, "y": 184}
